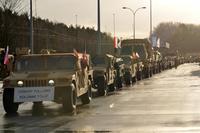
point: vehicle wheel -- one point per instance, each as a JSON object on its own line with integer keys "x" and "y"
{"x": 8, "y": 101}
{"x": 102, "y": 87}
{"x": 127, "y": 81}
{"x": 69, "y": 99}
{"x": 119, "y": 83}
{"x": 134, "y": 80}
{"x": 112, "y": 87}
{"x": 38, "y": 104}
{"x": 148, "y": 72}
{"x": 87, "y": 97}
{"x": 151, "y": 72}
{"x": 139, "y": 75}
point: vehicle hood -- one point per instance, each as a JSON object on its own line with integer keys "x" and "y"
{"x": 40, "y": 75}
{"x": 99, "y": 68}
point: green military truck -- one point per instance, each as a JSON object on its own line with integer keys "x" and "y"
{"x": 104, "y": 74}
{"x": 143, "y": 50}
{"x": 48, "y": 77}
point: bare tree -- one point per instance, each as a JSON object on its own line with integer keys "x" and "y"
{"x": 9, "y": 9}
{"x": 17, "y": 6}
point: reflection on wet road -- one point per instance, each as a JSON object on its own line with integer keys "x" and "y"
{"x": 168, "y": 102}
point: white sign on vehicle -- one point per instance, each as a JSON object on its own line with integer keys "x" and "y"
{"x": 33, "y": 94}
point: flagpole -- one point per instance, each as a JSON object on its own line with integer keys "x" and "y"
{"x": 115, "y": 39}
{"x": 114, "y": 23}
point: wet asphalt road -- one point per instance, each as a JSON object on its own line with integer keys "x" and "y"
{"x": 167, "y": 103}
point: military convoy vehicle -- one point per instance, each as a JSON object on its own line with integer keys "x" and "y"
{"x": 130, "y": 69}
{"x": 157, "y": 62}
{"x": 141, "y": 48}
{"x": 119, "y": 67}
{"x": 48, "y": 77}
{"x": 104, "y": 74}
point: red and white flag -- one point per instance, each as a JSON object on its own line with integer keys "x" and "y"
{"x": 137, "y": 55}
{"x": 6, "y": 61}
{"x": 115, "y": 42}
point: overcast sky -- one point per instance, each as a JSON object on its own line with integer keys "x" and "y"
{"x": 186, "y": 11}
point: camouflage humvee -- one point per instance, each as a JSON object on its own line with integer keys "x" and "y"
{"x": 48, "y": 77}
{"x": 157, "y": 62}
{"x": 104, "y": 74}
{"x": 143, "y": 49}
{"x": 130, "y": 69}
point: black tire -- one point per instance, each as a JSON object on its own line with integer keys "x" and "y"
{"x": 127, "y": 81}
{"x": 87, "y": 97}
{"x": 112, "y": 87}
{"x": 38, "y": 104}
{"x": 151, "y": 72}
{"x": 119, "y": 83}
{"x": 69, "y": 99}
{"x": 134, "y": 80}
{"x": 139, "y": 75}
{"x": 101, "y": 87}
{"x": 8, "y": 101}
{"x": 148, "y": 72}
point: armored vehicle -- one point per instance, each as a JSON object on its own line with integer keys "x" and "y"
{"x": 141, "y": 48}
{"x": 130, "y": 69}
{"x": 49, "y": 77}
{"x": 157, "y": 62}
{"x": 119, "y": 67}
{"x": 104, "y": 74}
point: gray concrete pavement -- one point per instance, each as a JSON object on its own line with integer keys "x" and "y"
{"x": 168, "y": 102}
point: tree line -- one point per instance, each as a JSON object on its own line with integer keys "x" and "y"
{"x": 14, "y": 32}
{"x": 182, "y": 37}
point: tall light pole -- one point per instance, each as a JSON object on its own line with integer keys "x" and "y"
{"x": 99, "y": 28}
{"x": 76, "y": 25}
{"x": 134, "y": 13}
{"x": 31, "y": 27}
{"x": 151, "y": 23}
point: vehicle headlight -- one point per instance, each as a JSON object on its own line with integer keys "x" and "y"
{"x": 20, "y": 83}
{"x": 51, "y": 82}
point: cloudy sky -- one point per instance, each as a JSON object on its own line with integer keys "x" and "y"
{"x": 186, "y": 11}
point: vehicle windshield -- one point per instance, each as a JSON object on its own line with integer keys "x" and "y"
{"x": 126, "y": 60}
{"x": 126, "y": 50}
{"x": 140, "y": 49}
{"x": 99, "y": 60}
{"x": 45, "y": 63}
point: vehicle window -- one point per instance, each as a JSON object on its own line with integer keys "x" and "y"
{"x": 126, "y": 50}
{"x": 39, "y": 63}
{"x": 99, "y": 61}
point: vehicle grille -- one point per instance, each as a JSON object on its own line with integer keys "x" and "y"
{"x": 35, "y": 83}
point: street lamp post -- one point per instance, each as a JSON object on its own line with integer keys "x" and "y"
{"x": 99, "y": 28}
{"x": 151, "y": 17}
{"x": 31, "y": 28}
{"x": 134, "y": 13}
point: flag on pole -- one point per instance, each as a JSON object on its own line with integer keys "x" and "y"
{"x": 119, "y": 44}
{"x": 115, "y": 42}
{"x": 158, "y": 43}
{"x": 6, "y": 61}
{"x": 75, "y": 53}
{"x": 137, "y": 55}
{"x": 167, "y": 45}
